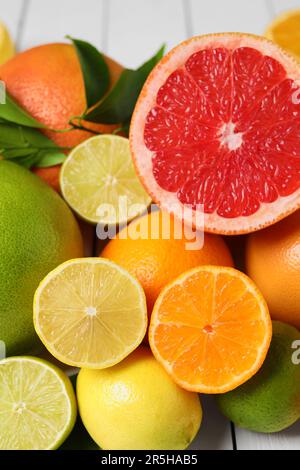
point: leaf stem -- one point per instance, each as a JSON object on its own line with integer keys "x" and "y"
{"x": 80, "y": 127}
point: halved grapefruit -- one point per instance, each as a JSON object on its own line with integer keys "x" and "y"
{"x": 216, "y": 130}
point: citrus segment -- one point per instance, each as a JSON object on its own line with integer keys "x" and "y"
{"x": 210, "y": 329}
{"x": 96, "y": 175}
{"x": 90, "y": 313}
{"x": 37, "y": 405}
{"x": 216, "y": 129}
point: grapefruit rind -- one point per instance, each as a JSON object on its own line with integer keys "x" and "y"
{"x": 240, "y": 379}
{"x": 268, "y": 213}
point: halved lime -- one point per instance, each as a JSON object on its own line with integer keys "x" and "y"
{"x": 99, "y": 182}
{"x": 90, "y": 313}
{"x": 37, "y": 405}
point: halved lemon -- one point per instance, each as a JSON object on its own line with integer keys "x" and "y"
{"x": 7, "y": 48}
{"x": 285, "y": 31}
{"x": 37, "y": 405}
{"x": 90, "y": 313}
{"x": 99, "y": 182}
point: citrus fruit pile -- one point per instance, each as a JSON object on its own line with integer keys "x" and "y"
{"x": 163, "y": 311}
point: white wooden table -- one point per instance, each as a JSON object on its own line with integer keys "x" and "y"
{"x": 130, "y": 31}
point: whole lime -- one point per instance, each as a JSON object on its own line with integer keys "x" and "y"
{"x": 136, "y": 405}
{"x": 269, "y": 401}
{"x": 37, "y": 232}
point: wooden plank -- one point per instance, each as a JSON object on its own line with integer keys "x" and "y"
{"x": 284, "y": 440}
{"x": 215, "y": 431}
{"x": 136, "y": 29}
{"x": 11, "y": 15}
{"x": 51, "y": 21}
{"x": 233, "y": 15}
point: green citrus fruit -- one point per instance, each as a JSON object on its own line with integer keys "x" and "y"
{"x": 269, "y": 401}
{"x": 99, "y": 182}
{"x": 37, "y": 232}
{"x": 136, "y": 405}
{"x": 37, "y": 405}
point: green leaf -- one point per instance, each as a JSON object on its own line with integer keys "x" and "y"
{"x": 12, "y": 112}
{"x": 28, "y": 162}
{"x": 28, "y": 147}
{"x": 118, "y": 105}
{"x": 94, "y": 70}
{"x": 50, "y": 158}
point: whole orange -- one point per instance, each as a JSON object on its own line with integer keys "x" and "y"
{"x": 273, "y": 262}
{"x": 47, "y": 81}
{"x": 157, "y": 261}
{"x": 50, "y": 175}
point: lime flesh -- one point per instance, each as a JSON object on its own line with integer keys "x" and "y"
{"x": 37, "y": 405}
{"x": 99, "y": 182}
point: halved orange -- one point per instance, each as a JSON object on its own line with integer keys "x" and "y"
{"x": 210, "y": 329}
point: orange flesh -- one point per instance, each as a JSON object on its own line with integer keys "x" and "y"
{"x": 210, "y": 329}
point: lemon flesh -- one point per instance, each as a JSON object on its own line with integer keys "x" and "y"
{"x": 7, "y": 48}
{"x": 37, "y": 405}
{"x": 90, "y": 313}
{"x": 99, "y": 182}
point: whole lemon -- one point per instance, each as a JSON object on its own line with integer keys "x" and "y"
{"x": 37, "y": 232}
{"x": 273, "y": 262}
{"x": 135, "y": 405}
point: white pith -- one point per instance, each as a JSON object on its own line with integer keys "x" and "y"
{"x": 91, "y": 311}
{"x": 230, "y": 139}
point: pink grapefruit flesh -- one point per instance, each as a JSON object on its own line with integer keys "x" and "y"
{"x": 216, "y": 129}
